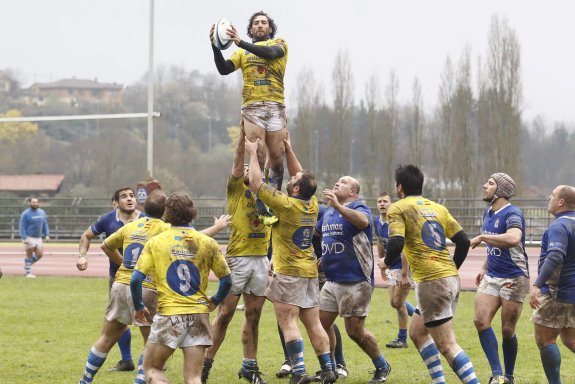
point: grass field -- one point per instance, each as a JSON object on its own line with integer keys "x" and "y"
{"x": 48, "y": 325}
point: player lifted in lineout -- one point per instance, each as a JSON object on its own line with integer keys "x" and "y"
{"x": 263, "y": 63}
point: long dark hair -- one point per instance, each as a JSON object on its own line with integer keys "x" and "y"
{"x": 270, "y": 22}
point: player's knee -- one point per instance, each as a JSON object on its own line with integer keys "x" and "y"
{"x": 508, "y": 331}
{"x": 480, "y": 324}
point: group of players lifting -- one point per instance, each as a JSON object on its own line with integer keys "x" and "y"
{"x": 160, "y": 284}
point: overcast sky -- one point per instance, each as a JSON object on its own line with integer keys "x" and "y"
{"x": 47, "y": 40}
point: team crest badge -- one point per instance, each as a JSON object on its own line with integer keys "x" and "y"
{"x": 496, "y": 225}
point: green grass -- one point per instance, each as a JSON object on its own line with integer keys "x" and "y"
{"x": 48, "y": 325}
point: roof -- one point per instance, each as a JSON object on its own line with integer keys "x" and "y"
{"x": 31, "y": 183}
{"x": 76, "y": 84}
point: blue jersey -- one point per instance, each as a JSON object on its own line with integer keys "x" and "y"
{"x": 107, "y": 224}
{"x": 382, "y": 233}
{"x": 316, "y": 241}
{"x": 347, "y": 252}
{"x": 33, "y": 223}
{"x": 505, "y": 262}
{"x": 560, "y": 237}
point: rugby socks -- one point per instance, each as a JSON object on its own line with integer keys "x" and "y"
{"x": 551, "y": 360}
{"x": 282, "y": 340}
{"x": 140, "y": 377}
{"x": 27, "y": 266}
{"x": 338, "y": 353}
{"x": 463, "y": 367}
{"x": 510, "y": 348}
{"x": 249, "y": 364}
{"x": 380, "y": 362}
{"x": 430, "y": 355}
{"x": 325, "y": 363}
{"x": 125, "y": 343}
{"x": 295, "y": 352}
{"x": 95, "y": 361}
{"x": 491, "y": 349}
{"x": 402, "y": 335}
{"x": 410, "y": 308}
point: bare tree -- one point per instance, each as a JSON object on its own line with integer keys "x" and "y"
{"x": 341, "y": 135}
{"x": 306, "y": 137}
{"x": 416, "y": 123}
{"x": 370, "y": 134}
{"x": 500, "y": 98}
{"x": 391, "y": 122}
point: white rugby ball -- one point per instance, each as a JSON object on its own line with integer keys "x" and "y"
{"x": 221, "y": 38}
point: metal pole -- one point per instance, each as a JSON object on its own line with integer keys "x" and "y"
{"x": 151, "y": 94}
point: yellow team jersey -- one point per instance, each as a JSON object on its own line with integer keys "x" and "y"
{"x": 248, "y": 236}
{"x": 425, "y": 225}
{"x": 181, "y": 259}
{"x": 131, "y": 238}
{"x": 292, "y": 234}
{"x": 263, "y": 78}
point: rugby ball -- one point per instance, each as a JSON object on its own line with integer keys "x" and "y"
{"x": 221, "y": 38}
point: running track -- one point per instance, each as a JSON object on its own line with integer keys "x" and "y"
{"x": 60, "y": 260}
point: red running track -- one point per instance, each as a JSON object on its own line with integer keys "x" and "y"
{"x": 60, "y": 260}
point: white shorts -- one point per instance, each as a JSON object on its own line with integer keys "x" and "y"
{"x": 265, "y": 114}
{"x": 553, "y": 314}
{"x": 508, "y": 288}
{"x": 249, "y": 274}
{"x": 349, "y": 300}
{"x": 394, "y": 277}
{"x": 33, "y": 242}
{"x": 437, "y": 299}
{"x": 181, "y": 330}
{"x": 121, "y": 308}
{"x": 302, "y": 292}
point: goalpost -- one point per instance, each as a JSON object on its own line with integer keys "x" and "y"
{"x": 149, "y": 115}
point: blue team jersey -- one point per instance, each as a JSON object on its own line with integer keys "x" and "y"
{"x": 107, "y": 224}
{"x": 382, "y": 233}
{"x": 347, "y": 252}
{"x": 560, "y": 237}
{"x": 33, "y": 223}
{"x": 505, "y": 262}
{"x": 316, "y": 241}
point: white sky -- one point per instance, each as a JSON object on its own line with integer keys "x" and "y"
{"x": 46, "y": 40}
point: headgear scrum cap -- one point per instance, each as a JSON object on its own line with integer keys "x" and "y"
{"x": 505, "y": 185}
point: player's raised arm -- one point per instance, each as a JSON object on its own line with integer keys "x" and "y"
{"x": 225, "y": 67}
{"x": 292, "y": 161}
{"x": 255, "y": 175}
{"x": 238, "y": 166}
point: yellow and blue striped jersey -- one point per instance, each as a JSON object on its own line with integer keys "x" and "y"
{"x": 263, "y": 78}
{"x": 181, "y": 259}
{"x": 131, "y": 238}
{"x": 248, "y": 234}
{"x": 292, "y": 234}
{"x": 425, "y": 225}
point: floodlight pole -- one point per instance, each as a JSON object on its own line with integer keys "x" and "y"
{"x": 151, "y": 94}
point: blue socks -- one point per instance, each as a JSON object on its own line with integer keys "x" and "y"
{"x": 491, "y": 349}
{"x": 125, "y": 343}
{"x": 140, "y": 377}
{"x": 325, "y": 362}
{"x": 249, "y": 364}
{"x": 510, "y": 347}
{"x": 95, "y": 361}
{"x": 295, "y": 352}
{"x": 402, "y": 335}
{"x": 551, "y": 359}
{"x": 338, "y": 353}
{"x": 410, "y": 308}
{"x": 463, "y": 367}
{"x": 430, "y": 355}
{"x": 380, "y": 362}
